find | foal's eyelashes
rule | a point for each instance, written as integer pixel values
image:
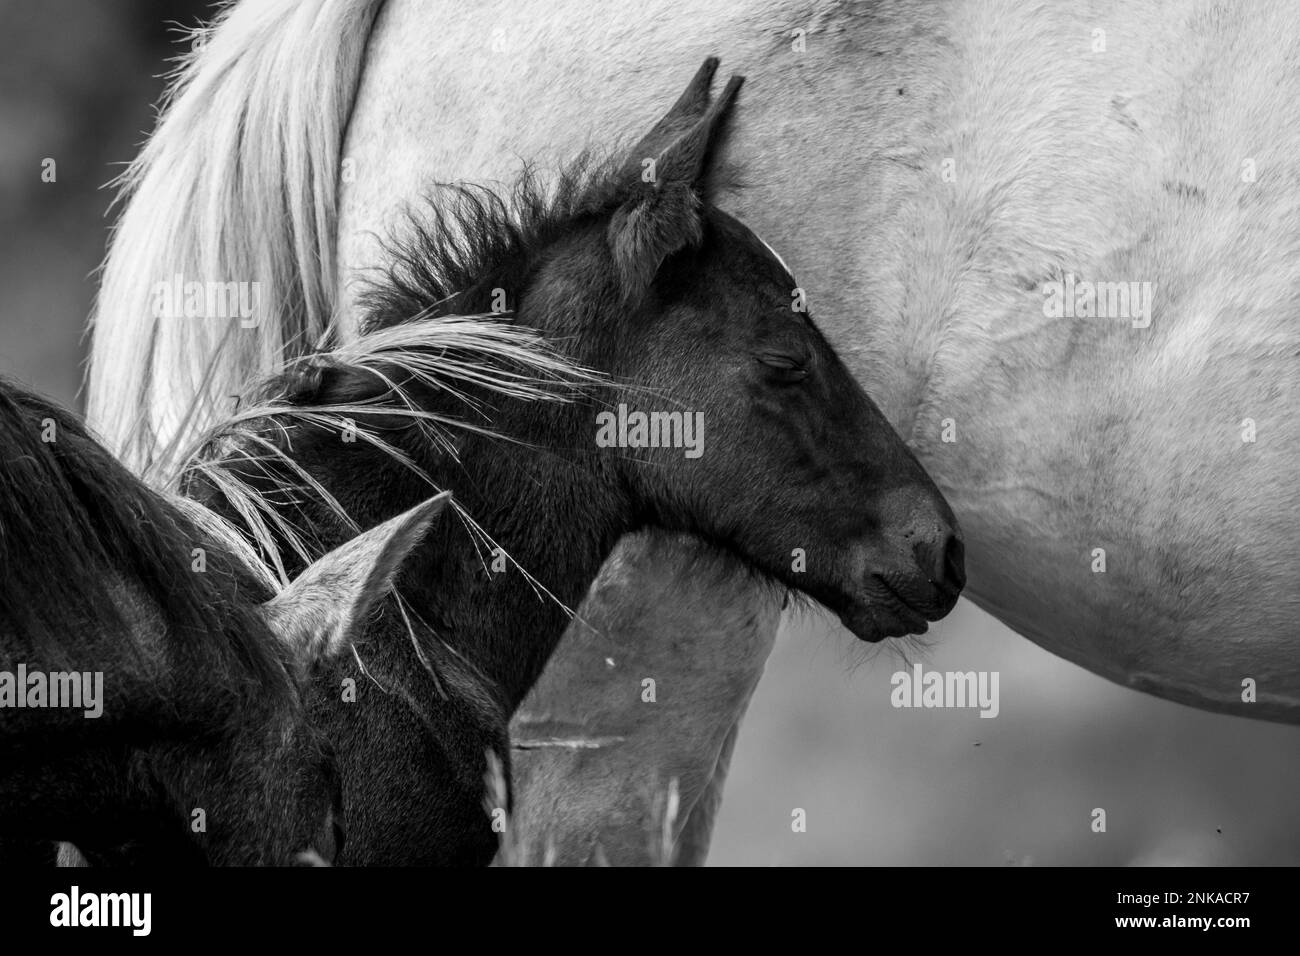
(784, 368)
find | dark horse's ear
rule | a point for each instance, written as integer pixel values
(661, 183)
(326, 606)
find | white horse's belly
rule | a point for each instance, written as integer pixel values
(1198, 592)
(924, 178)
(1173, 168)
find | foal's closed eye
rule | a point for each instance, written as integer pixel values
(783, 367)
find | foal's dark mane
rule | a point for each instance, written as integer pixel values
(449, 252)
(464, 240)
(71, 516)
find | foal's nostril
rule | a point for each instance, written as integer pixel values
(953, 570)
(943, 560)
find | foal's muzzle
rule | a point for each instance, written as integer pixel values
(912, 585)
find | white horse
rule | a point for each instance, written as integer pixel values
(1059, 245)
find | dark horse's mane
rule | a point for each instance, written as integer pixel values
(450, 251)
(75, 523)
(464, 240)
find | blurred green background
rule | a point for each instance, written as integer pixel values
(77, 84)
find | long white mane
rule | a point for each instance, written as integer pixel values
(238, 183)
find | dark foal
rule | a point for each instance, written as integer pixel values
(755, 437)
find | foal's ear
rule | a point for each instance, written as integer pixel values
(662, 182)
(320, 613)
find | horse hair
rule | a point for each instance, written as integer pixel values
(451, 250)
(71, 517)
(464, 240)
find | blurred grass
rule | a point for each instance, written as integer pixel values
(896, 786)
(78, 80)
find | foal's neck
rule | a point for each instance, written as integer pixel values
(554, 511)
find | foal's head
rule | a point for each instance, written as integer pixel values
(728, 414)
(272, 792)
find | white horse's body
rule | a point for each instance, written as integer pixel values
(927, 170)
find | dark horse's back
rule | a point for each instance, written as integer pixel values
(100, 614)
(30, 582)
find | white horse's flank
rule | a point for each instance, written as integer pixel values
(928, 171)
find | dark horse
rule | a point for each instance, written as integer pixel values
(627, 269)
(151, 681)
